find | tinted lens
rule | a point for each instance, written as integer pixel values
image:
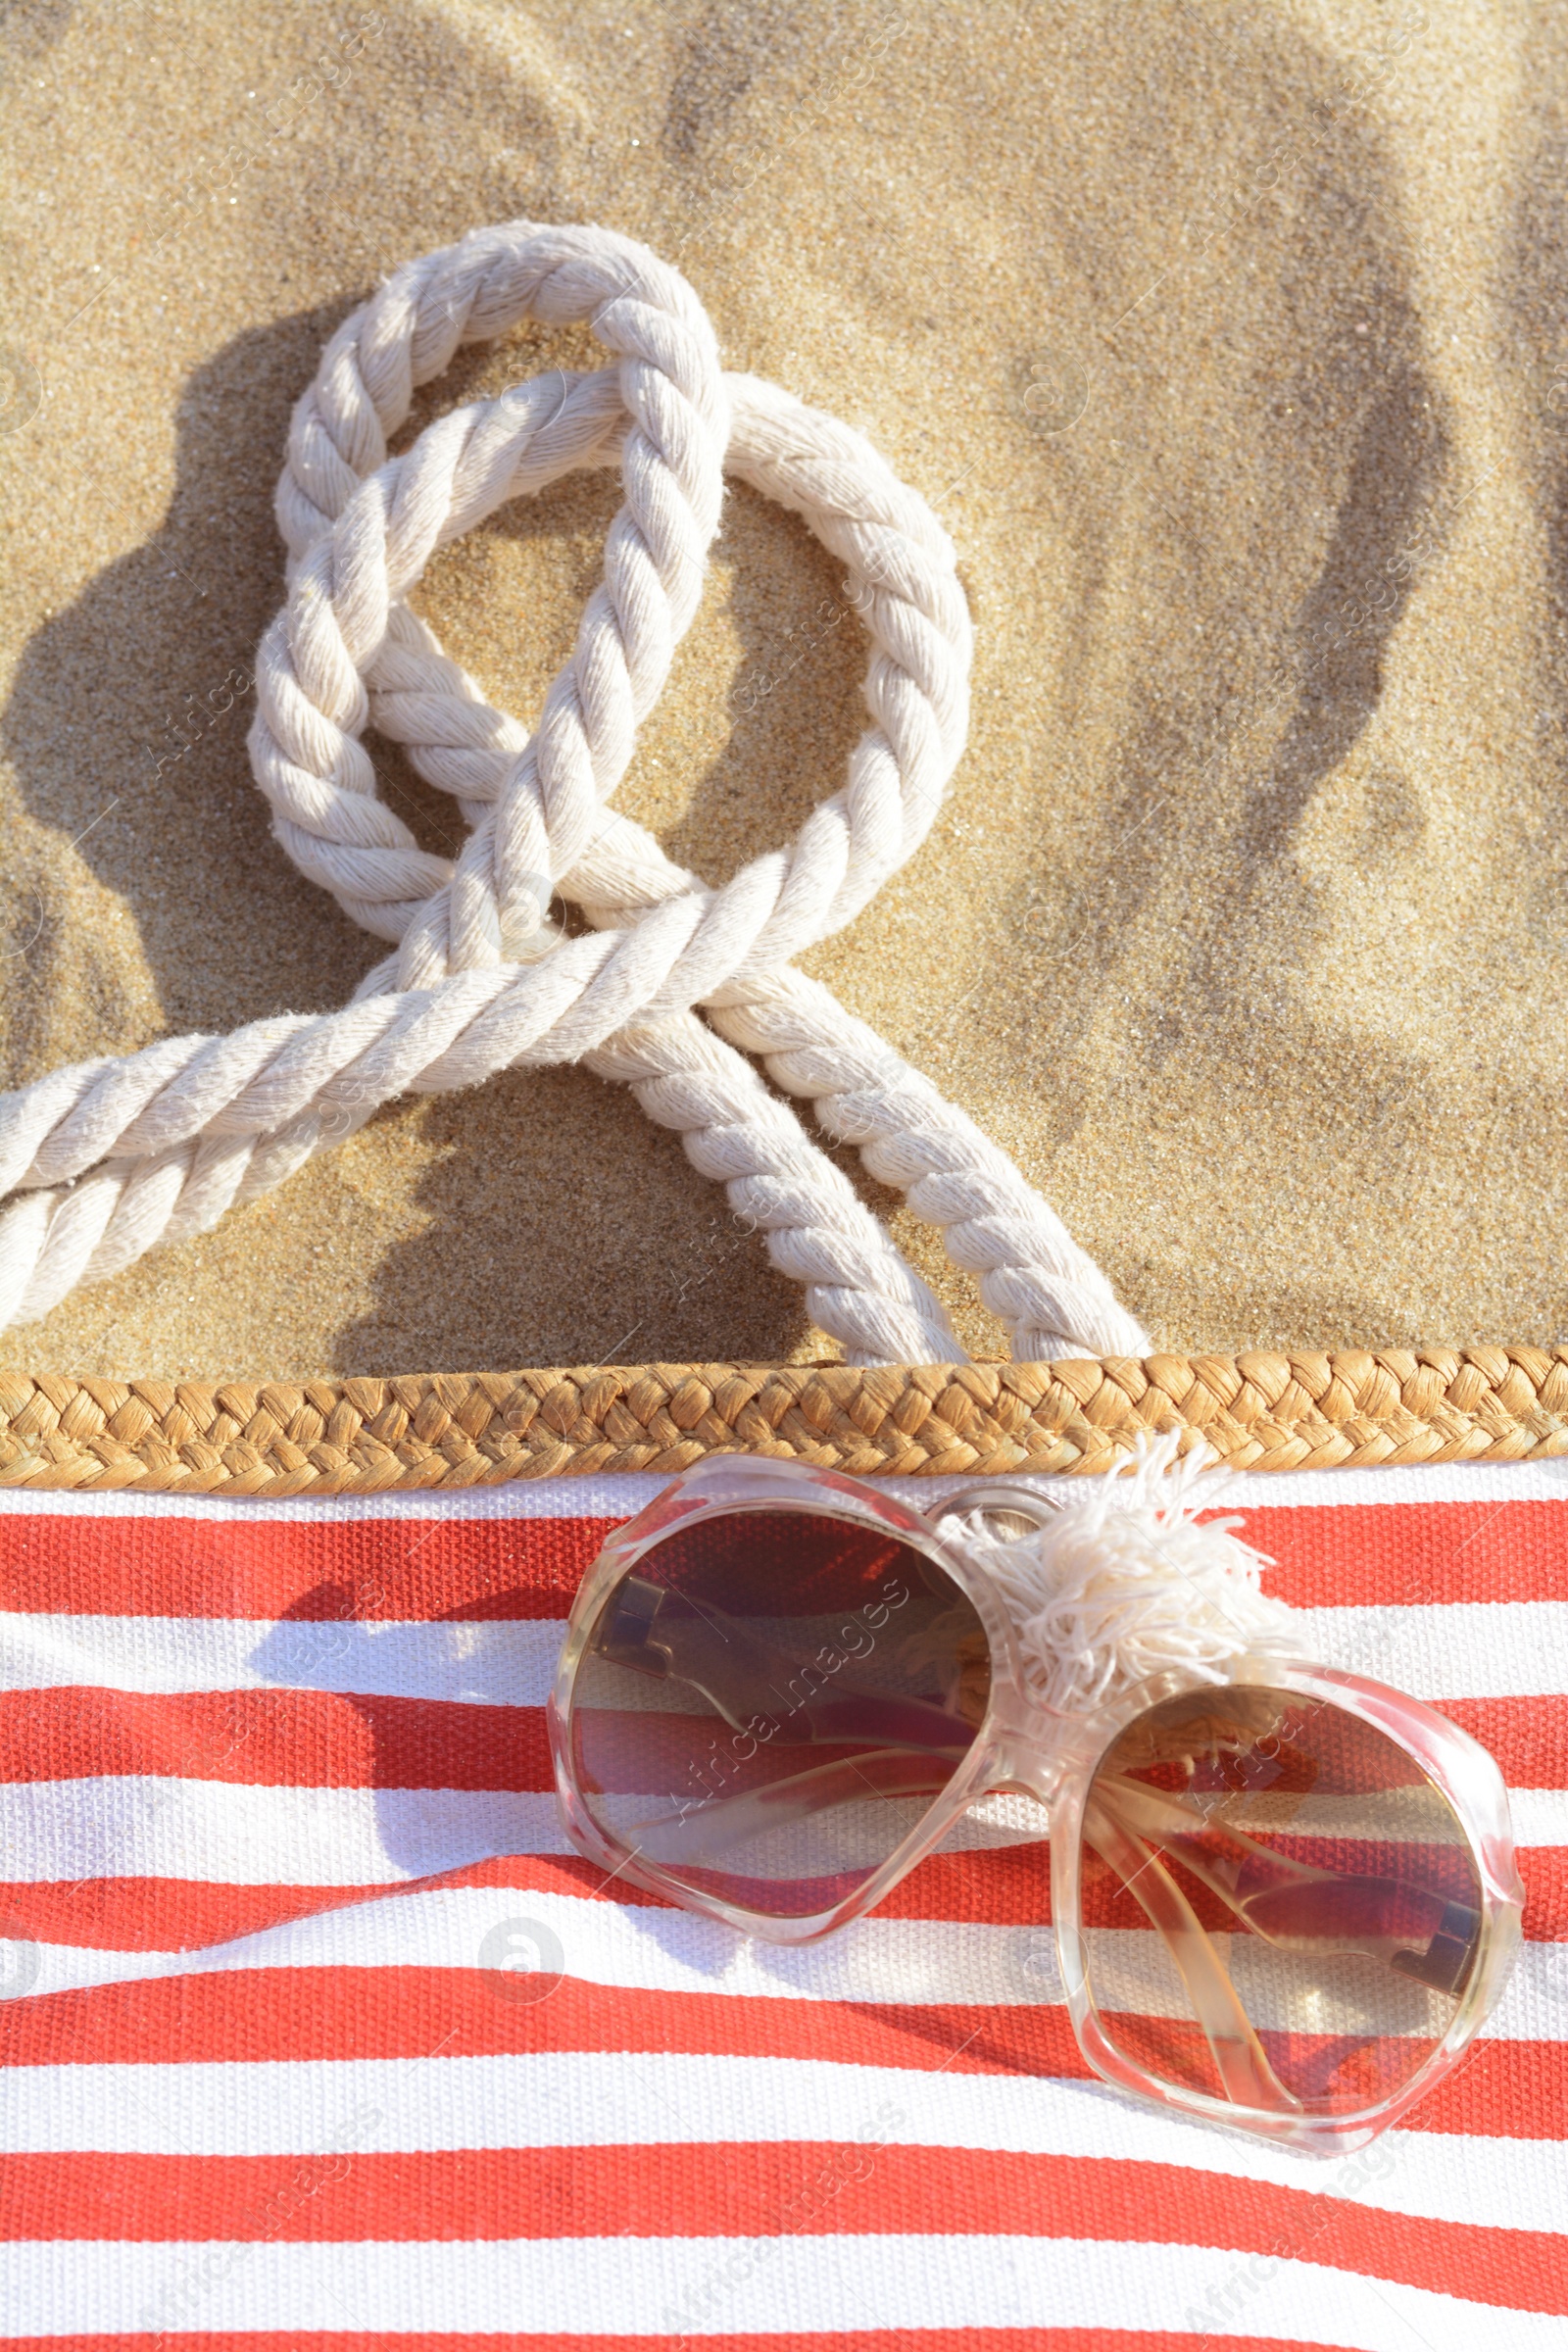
(1280, 1907)
(770, 1701)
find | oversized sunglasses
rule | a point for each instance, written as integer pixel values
(1283, 1897)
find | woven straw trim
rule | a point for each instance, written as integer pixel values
(356, 1437)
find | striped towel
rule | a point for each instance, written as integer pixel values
(319, 2036)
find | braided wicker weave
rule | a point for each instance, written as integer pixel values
(330, 1437)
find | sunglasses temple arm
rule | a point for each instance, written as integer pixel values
(1437, 1950)
(1154, 1813)
(1244, 2072)
(1171, 1820)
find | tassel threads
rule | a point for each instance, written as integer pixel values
(1124, 1580)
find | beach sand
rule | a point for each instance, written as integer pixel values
(1228, 343)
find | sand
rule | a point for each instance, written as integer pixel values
(1229, 345)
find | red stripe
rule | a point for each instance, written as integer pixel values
(166, 1915)
(1405, 1554)
(1527, 1737)
(375, 1570)
(767, 2189)
(1010, 1887)
(187, 1915)
(1509, 2090)
(271, 1738)
(1411, 1555)
(322, 1738)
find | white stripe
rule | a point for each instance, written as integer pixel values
(603, 2098)
(1544, 1481)
(1540, 1816)
(911, 1961)
(593, 1496)
(496, 1662)
(245, 1833)
(1454, 1649)
(789, 2286)
(224, 1834)
(620, 1495)
(228, 1834)
(860, 1835)
(1450, 1649)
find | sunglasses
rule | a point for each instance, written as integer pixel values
(1284, 1900)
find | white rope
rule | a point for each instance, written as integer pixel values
(110, 1158)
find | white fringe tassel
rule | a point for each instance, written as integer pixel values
(1123, 1582)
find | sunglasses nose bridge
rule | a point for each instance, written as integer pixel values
(1031, 1752)
(1007, 1512)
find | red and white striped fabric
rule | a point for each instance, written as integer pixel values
(273, 2079)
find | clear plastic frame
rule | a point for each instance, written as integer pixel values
(1283, 1903)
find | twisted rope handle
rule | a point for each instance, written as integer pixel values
(123, 1154)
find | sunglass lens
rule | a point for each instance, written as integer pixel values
(770, 1701)
(1280, 1906)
